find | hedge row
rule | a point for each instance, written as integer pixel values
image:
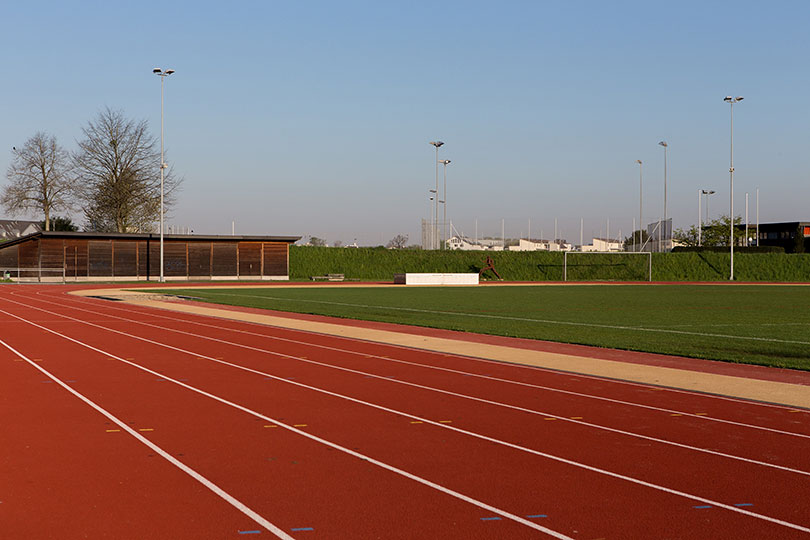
(381, 264)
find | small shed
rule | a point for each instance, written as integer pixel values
(84, 256)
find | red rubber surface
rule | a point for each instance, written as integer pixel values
(524, 441)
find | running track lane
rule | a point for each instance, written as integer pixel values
(721, 474)
(457, 456)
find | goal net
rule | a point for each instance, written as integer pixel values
(607, 266)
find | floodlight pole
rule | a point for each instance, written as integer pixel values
(660, 228)
(731, 101)
(639, 203)
(433, 233)
(444, 204)
(757, 217)
(700, 222)
(162, 73)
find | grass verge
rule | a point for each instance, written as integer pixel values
(765, 325)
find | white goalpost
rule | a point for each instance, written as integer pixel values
(607, 255)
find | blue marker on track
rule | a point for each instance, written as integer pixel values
(250, 532)
(743, 504)
(705, 506)
(490, 519)
(537, 516)
(302, 529)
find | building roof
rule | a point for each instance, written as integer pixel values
(148, 236)
(13, 228)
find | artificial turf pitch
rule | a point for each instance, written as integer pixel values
(755, 324)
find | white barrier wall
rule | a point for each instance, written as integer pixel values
(436, 279)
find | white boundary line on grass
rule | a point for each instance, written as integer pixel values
(406, 415)
(525, 319)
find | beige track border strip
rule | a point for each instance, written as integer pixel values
(793, 395)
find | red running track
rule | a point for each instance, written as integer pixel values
(125, 422)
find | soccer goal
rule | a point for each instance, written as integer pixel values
(607, 266)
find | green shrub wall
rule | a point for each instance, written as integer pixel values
(381, 264)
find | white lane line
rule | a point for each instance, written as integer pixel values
(486, 377)
(406, 415)
(523, 319)
(177, 318)
(293, 429)
(233, 501)
(455, 394)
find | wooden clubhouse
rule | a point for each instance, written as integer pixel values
(84, 256)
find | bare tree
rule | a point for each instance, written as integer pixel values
(41, 179)
(398, 242)
(118, 163)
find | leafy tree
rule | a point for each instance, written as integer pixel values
(118, 162)
(40, 177)
(61, 224)
(338, 243)
(398, 242)
(715, 233)
(317, 242)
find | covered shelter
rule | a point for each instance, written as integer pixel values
(88, 256)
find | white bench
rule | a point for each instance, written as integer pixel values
(436, 279)
(329, 277)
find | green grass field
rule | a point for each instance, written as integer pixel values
(756, 324)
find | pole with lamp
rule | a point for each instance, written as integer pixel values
(162, 73)
(705, 192)
(731, 101)
(434, 237)
(639, 204)
(444, 162)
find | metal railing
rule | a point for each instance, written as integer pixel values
(33, 275)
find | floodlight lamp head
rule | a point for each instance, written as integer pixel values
(156, 70)
(169, 71)
(663, 143)
(728, 98)
(638, 161)
(739, 98)
(437, 144)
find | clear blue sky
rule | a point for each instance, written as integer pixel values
(313, 118)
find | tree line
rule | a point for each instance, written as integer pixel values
(112, 178)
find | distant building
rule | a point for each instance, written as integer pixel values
(464, 244)
(779, 234)
(530, 245)
(16, 228)
(603, 245)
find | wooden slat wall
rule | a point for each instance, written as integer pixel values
(199, 259)
(125, 257)
(275, 258)
(224, 259)
(8, 257)
(250, 259)
(29, 258)
(75, 258)
(51, 255)
(129, 258)
(174, 258)
(100, 257)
